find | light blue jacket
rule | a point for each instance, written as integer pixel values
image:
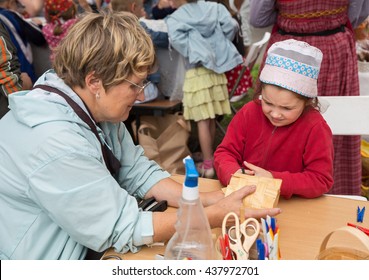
(56, 195)
(203, 32)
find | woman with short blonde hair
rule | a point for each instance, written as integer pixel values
(70, 173)
(123, 49)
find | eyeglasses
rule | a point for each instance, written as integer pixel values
(139, 88)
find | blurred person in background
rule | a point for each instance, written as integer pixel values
(60, 16)
(202, 32)
(11, 78)
(32, 8)
(22, 33)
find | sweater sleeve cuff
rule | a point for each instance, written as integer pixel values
(286, 190)
(144, 231)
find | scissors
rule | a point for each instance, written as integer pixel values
(239, 232)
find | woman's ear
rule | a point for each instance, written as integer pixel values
(93, 83)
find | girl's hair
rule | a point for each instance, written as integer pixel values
(111, 45)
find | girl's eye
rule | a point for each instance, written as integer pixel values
(267, 103)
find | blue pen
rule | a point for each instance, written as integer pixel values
(272, 224)
(264, 229)
(268, 220)
(261, 249)
(266, 225)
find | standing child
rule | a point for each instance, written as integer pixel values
(202, 32)
(281, 134)
(60, 16)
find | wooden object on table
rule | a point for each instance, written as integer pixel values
(343, 252)
(304, 224)
(266, 194)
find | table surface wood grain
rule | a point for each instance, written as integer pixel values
(303, 225)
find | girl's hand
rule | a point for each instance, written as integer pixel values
(256, 171)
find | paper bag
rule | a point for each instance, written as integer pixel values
(266, 194)
(164, 139)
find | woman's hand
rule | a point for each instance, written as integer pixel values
(256, 171)
(210, 198)
(233, 203)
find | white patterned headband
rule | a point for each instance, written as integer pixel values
(293, 65)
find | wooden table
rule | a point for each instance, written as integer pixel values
(303, 224)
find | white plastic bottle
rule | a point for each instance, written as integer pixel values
(192, 239)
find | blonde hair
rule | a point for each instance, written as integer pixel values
(112, 45)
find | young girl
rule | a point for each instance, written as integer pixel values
(202, 32)
(281, 134)
(60, 16)
(326, 25)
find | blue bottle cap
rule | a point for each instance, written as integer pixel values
(192, 176)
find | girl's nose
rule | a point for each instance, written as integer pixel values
(275, 114)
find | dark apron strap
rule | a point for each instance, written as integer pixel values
(111, 161)
(93, 255)
(321, 33)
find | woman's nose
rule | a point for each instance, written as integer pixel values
(141, 96)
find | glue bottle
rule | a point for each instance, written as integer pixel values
(192, 239)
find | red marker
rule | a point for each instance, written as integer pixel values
(365, 230)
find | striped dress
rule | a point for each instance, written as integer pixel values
(338, 75)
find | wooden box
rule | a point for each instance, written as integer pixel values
(266, 194)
